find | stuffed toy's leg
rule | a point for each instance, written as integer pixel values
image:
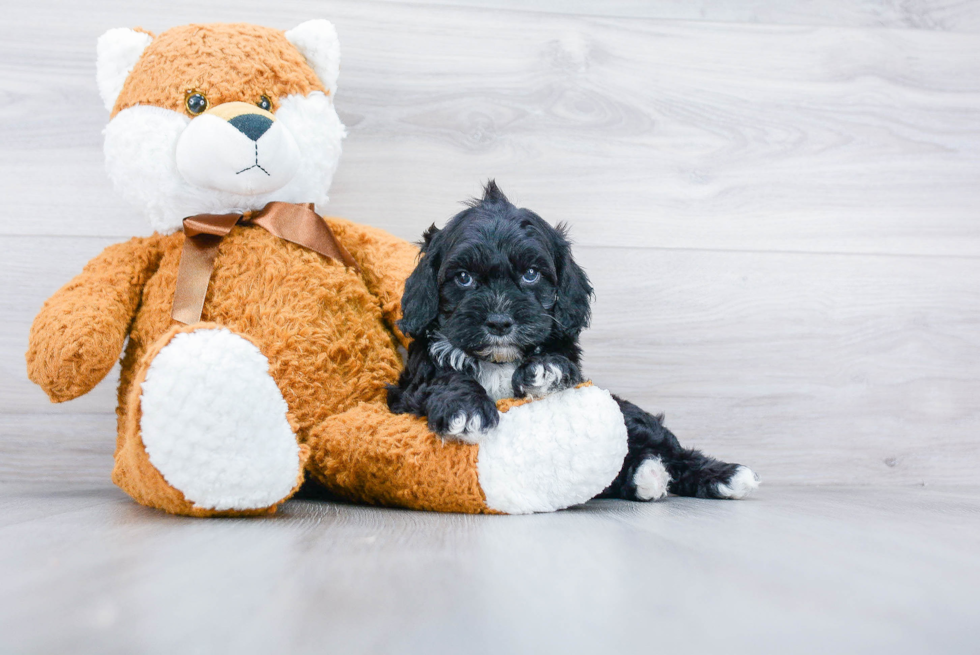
(206, 430)
(544, 455)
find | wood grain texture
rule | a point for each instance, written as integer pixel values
(671, 134)
(50, 449)
(802, 571)
(948, 15)
(809, 368)
(812, 369)
(780, 220)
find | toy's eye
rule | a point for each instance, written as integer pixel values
(265, 103)
(531, 276)
(195, 103)
(464, 279)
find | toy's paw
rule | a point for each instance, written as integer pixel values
(542, 375)
(651, 479)
(215, 424)
(553, 453)
(465, 417)
(740, 484)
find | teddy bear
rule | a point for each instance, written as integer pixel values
(258, 336)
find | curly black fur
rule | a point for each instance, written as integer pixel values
(495, 307)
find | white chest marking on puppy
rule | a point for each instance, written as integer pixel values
(496, 379)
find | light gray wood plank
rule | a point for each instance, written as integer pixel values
(811, 369)
(815, 369)
(795, 570)
(59, 448)
(639, 132)
(953, 15)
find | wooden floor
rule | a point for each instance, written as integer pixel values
(795, 570)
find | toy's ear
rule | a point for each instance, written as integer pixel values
(317, 41)
(117, 52)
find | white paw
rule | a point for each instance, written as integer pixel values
(214, 422)
(466, 427)
(546, 380)
(744, 482)
(651, 479)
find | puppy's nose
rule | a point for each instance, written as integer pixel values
(499, 324)
(251, 125)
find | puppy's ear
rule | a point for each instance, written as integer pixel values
(572, 303)
(420, 302)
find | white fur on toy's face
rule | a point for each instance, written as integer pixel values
(172, 166)
(237, 148)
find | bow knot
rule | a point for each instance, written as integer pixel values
(203, 233)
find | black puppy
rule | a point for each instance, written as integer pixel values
(495, 308)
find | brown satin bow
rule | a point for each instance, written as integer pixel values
(203, 233)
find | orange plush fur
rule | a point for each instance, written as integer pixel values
(257, 61)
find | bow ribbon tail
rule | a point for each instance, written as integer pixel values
(202, 236)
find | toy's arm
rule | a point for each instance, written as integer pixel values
(79, 333)
(544, 455)
(386, 262)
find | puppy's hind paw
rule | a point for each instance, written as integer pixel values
(743, 482)
(651, 479)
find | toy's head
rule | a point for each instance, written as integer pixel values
(220, 118)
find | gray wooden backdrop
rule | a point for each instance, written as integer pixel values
(777, 202)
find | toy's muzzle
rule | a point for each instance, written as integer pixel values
(237, 148)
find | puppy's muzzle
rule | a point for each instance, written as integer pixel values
(237, 148)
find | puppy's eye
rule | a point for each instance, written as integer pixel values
(531, 276)
(195, 103)
(264, 103)
(464, 279)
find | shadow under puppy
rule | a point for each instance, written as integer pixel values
(495, 307)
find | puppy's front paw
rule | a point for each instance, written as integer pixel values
(465, 420)
(543, 375)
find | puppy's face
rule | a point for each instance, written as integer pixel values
(496, 283)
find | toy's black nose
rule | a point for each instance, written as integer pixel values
(252, 125)
(499, 324)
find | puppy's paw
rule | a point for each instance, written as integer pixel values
(465, 420)
(543, 375)
(741, 483)
(651, 479)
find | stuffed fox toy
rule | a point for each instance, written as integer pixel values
(259, 336)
